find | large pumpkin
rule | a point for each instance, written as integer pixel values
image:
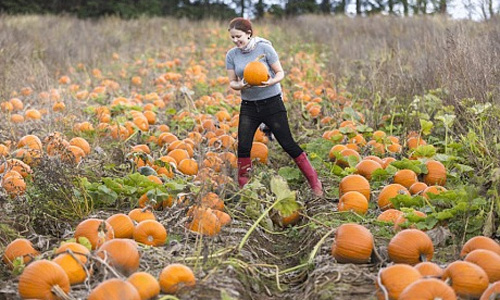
(43, 279)
(467, 279)
(353, 244)
(410, 246)
(394, 279)
(175, 276)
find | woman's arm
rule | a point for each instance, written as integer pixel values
(279, 74)
(234, 83)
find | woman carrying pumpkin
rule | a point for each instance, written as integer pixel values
(261, 101)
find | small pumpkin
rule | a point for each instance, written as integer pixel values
(429, 269)
(353, 244)
(467, 279)
(436, 173)
(150, 232)
(405, 177)
(366, 167)
(43, 279)
(122, 225)
(122, 254)
(141, 214)
(95, 230)
(175, 276)
(19, 248)
(204, 222)
(147, 286)
(418, 188)
(388, 192)
(480, 242)
(255, 72)
(392, 280)
(410, 246)
(433, 189)
(428, 289)
(390, 215)
(114, 289)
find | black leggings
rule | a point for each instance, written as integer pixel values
(272, 112)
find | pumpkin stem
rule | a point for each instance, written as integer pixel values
(260, 57)
(58, 291)
(423, 257)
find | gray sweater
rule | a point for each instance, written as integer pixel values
(237, 60)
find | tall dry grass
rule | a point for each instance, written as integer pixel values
(390, 56)
(395, 56)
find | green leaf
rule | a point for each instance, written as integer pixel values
(286, 198)
(414, 165)
(85, 242)
(426, 126)
(464, 168)
(407, 201)
(447, 119)
(290, 174)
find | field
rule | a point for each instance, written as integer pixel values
(105, 117)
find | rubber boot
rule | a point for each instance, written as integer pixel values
(312, 177)
(244, 166)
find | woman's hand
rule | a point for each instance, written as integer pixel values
(267, 83)
(244, 84)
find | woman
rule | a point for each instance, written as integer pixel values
(261, 104)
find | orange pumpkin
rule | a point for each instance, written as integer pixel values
(150, 232)
(436, 173)
(353, 244)
(188, 166)
(480, 242)
(428, 289)
(388, 192)
(410, 246)
(122, 254)
(147, 286)
(492, 292)
(433, 189)
(122, 225)
(366, 167)
(255, 72)
(175, 276)
(394, 279)
(141, 214)
(488, 260)
(19, 248)
(259, 152)
(467, 279)
(418, 188)
(41, 279)
(95, 230)
(353, 201)
(390, 215)
(204, 222)
(114, 289)
(73, 266)
(429, 269)
(405, 177)
(355, 183)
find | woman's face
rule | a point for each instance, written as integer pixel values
(239, 38)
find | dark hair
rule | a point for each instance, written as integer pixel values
(241, 24)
